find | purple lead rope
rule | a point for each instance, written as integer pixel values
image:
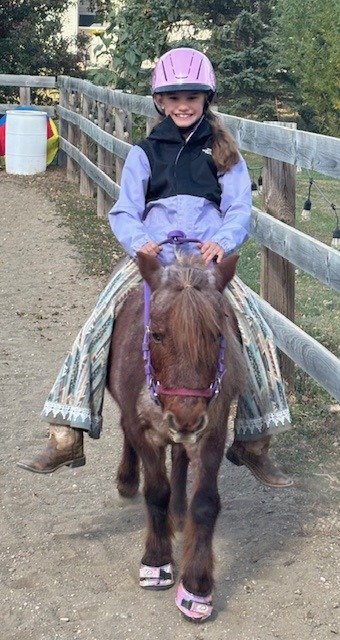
(177, 237)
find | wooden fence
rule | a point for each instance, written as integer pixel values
(96, 126)
(24, 84)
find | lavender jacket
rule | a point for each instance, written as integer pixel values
(170, 184)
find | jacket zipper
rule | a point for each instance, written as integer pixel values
(183, 146)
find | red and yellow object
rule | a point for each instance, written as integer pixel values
(51, 132)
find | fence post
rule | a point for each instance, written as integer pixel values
(63, 129)
(86, 186)
(123, 131)
(277, 274)
(150, 123)
(128, 127)
(25, 96)
(109, 157)
(101, 193)
(72, 137)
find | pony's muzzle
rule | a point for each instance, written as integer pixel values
(185, 436)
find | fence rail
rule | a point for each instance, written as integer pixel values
(306, 352)
(95, 136)
(25, 83)
(308, 150)
(313, 257)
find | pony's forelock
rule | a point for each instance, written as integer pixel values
(192, 306)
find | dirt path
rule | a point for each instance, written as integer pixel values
(70, 549)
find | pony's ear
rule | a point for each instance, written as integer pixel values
(150, 269)
(225, 271)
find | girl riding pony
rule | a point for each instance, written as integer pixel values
(188, 175)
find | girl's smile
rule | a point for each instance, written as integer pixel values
(184, 107)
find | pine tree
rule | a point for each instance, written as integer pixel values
(242, 53)
(234, 34)
(309, 48)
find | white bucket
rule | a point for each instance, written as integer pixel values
(26, 141)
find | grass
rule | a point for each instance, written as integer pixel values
(92, 236)
(311, 446)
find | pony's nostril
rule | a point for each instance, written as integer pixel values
(202, 423)
(172, 421)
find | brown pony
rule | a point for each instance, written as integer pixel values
(189, 320)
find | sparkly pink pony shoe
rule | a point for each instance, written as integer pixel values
(195, 608)
(156, 577)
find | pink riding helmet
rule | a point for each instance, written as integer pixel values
(184, 69)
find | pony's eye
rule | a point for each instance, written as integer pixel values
(156, 336)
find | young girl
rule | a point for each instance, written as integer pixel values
(187, 175)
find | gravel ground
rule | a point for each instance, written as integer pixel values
(70, 547)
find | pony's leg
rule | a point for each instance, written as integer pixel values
(128, 471)
(156, 569)
(194, 596)
(197, 567)
(178, 482)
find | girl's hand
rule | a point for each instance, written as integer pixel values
(151, 248)
(209, 250)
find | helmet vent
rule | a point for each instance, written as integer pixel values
(164, 71)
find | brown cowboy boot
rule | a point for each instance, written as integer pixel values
(254, 455)
(64, 447)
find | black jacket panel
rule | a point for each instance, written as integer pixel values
(179, 166)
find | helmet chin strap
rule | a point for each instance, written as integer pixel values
(158, 108)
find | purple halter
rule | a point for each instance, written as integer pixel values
(156, 388)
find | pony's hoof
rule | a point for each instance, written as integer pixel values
(156, 577)
(194, 608)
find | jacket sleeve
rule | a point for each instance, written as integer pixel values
(236, 204)
(127, 214)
